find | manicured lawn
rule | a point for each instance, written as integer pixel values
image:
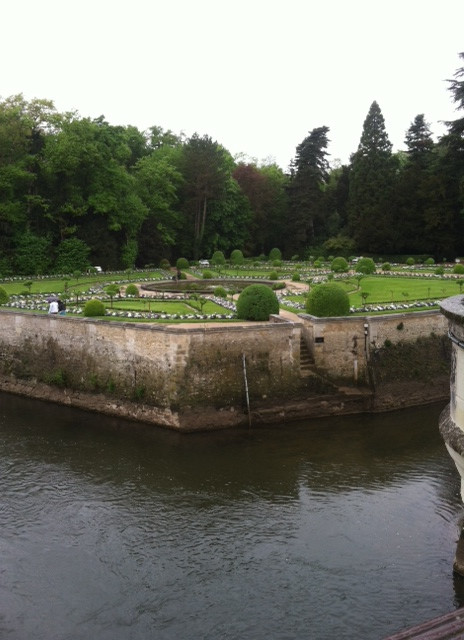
(382, 289)
(165, 306)
(57, 285)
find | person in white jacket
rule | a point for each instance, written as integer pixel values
(53, 308)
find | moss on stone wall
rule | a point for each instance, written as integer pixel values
(422, 360)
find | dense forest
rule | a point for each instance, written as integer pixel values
(76, 191)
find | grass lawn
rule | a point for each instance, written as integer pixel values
(385, 290)
(382, 289)
(165, 306)
(57, 285)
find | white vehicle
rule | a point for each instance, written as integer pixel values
(203, 263)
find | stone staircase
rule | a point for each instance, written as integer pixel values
(306, 360)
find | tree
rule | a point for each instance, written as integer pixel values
(72, 255)
(23, 129)
(206, 167)
(112, 290)
(158, 182)
(264, 189)
(413, 188)
(92, 193)
(371, 202)
(456, 88)
(32, 254)
(309, 174)
(228, 221)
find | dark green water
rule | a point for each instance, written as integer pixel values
(335, 528)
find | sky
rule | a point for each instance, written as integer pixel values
(255, 75)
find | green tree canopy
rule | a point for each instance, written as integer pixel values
(371, 203)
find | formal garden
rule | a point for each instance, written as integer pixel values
(196, 293)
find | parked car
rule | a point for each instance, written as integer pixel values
(203, 263)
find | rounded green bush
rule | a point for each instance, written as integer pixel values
(366, 266)
(165, 264)
(94, 308)
(410, 262)
(220, 292)
(339, 265)
(439, 271)
(273, 275)
(132, 290)
(275, 254)
(218, 259)
(207, 275)
(386, 266)
(429, 262)
(182, 263)
(236, 257)
(4, 297)
(296, 277)
(277, 263)
(458, 268)
(328, 300)
(257, 302)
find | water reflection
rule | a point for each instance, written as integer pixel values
(116, 530)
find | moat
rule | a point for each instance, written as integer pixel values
(330, 528)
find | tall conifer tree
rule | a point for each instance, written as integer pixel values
(309, 174)
(371, 196)
(414, 185)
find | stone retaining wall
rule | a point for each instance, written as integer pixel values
(190, 377)
(341, 346)
(178, 370)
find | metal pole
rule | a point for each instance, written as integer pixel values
(246, 389)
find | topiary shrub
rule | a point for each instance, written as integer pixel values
(386, 266)
(328, 300)
(218, 259)
(257, 302)
(94, 308)
(236, 257)
(273, 275)
(182, 263)
(275, 254)
(339, 265)
(4, 297)
(296, 277)
(429, 262)
(366, 266)
(207, 275)
(317, 264)
(458, 268)
(410, 262)
(439, 271)
(220, 292)
(132, 290)
(165, 264)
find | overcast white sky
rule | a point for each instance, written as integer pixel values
(255, 75)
